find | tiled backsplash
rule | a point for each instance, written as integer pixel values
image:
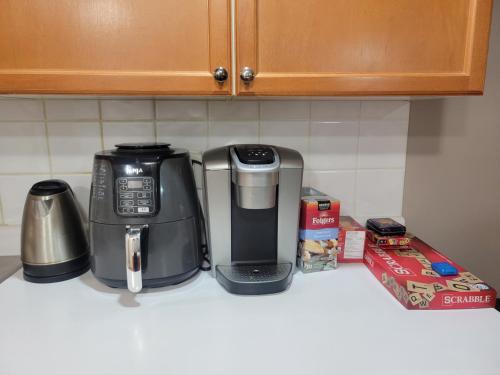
(353, 150)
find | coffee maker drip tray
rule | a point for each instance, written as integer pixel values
(255, 278)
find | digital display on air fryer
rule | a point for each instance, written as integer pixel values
(135, 184)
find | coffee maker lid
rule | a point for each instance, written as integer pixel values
(48, 187)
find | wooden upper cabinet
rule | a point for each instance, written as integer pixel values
(114, 46)
(313, 47)
(362, 47)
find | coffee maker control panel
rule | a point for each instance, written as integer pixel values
(255, 154)
(135, 196)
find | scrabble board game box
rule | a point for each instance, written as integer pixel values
(389, 241)
(407, 274)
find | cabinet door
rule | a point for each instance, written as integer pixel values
(114, 46)
(362, 47)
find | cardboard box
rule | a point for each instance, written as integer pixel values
(318, 232)
(318, 210)
(406, 273)
(352, 236)
(389, 241)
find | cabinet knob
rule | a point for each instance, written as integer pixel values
(220, 74)
(247, 74)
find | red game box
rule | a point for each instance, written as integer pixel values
(352, 236)
(318, 210)
(407, 274)
(389, 241)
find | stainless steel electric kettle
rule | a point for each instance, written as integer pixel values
(54, 243)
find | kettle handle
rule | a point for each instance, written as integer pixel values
(133, 257)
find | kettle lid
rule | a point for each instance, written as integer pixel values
(49, 187)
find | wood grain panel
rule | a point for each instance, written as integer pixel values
(363, 47)
(114, 46)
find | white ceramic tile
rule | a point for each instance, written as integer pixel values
(385, 110)
(382, 144)
(233, 110)
(72, 109)
(23, 148)
(21, 109)
(182, 110)
(379, 192)
(399, 219)
(13, 192)
(192, 135)
(231, 132)
(196, 155)
(11, 240)
(292, 134)
(334, 150)
(333, 145)
(335, 111)
(284, 110)
(72, 145)
(121, 132)
(80, 184)
(127, 110)
(305, 178)
(338, 184)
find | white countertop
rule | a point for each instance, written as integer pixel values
(334, 322)
(8, 265)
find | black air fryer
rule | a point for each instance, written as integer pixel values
(144, 216)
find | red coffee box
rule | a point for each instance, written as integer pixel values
(408, 276)
(388, 241)
(318, 232)
(352, 237)
(318, 210)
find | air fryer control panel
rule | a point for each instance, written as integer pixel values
(135, 189)
(135, 195)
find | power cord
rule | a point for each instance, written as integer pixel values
(204, 247)
(206, 259)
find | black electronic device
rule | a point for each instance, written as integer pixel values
(386, 227)
(252, 196)
(145, 227)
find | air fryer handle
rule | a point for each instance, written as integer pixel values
(133, 257)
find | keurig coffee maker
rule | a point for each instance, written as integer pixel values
(144, 216)
(252, 196)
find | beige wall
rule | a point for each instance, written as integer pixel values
(452, 183)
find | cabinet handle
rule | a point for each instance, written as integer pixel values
(220, 74)
(247, 74)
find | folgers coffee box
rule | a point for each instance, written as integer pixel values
(407, 274)
(389, 241)
(318, 231)
(352, 236)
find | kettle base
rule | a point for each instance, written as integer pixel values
(151, 283)
(52, 273)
